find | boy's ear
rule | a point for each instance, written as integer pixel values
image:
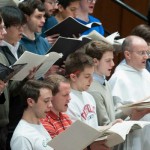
(30, 102)
(95, 60)
(72, 77)
(60, 8)
(27, 17)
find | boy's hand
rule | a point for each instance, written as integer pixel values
(99, 145)
(137, 114)
(32, 73)
(2, 86)
(52, 39)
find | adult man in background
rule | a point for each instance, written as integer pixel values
(131, 83)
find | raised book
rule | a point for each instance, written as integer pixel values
(111, 39)
(70, 27)
(43, 62)
(94, 35)
(79, 135)
(140, 105)
(6, 73)
(67, 46)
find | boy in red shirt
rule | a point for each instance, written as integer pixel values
(56, 120)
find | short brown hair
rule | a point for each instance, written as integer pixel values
(96, 49)
(76, 62)
(54, 81)
(31, 89)
(12, 16)
(143, 31)
(29, 6)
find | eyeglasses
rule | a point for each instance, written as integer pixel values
(91, 1)
(18, 26)
(142, 53)
(53, 3)
(2, 28)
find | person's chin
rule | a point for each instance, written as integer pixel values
(19, 37)
(39, 29)
(86, 88)
(108, 74)
(44, 116)
(65, 109)
(91, 10)
(50, 13)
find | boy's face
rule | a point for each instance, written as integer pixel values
(61, 99)
(105, 65)
(50, 7)
(43, 105)
(87, 6)
(14, 33)
(36, 21)
(83, 81)
(71, 10)
(2, 31)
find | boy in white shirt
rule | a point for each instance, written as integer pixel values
(30, 133)
(79, 69)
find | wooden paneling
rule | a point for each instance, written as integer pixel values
(109, 13)
(129, 20)
(115, 18)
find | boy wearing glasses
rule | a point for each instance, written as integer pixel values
(4, 96)
(84, 15)
(66, 8)
(131, 83)
(11, 50)
(51, 7)
(2, 33)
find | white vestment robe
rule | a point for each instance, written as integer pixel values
(130, 85)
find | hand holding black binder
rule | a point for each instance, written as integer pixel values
(6, 73)
(70, 27)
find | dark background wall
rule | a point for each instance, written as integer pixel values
(115, 18)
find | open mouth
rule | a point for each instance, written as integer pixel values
(109, 70)
(144, 62)
(66, 105)
(91, 7)
(41, 26)
(20, 34)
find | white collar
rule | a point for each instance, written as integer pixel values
(12, 48)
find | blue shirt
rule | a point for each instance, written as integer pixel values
(99, 29)
(38, 46)
(49, 23)
(100, 79)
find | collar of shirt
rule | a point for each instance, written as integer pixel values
(54, 116)
(100, 79)
(12, 48)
